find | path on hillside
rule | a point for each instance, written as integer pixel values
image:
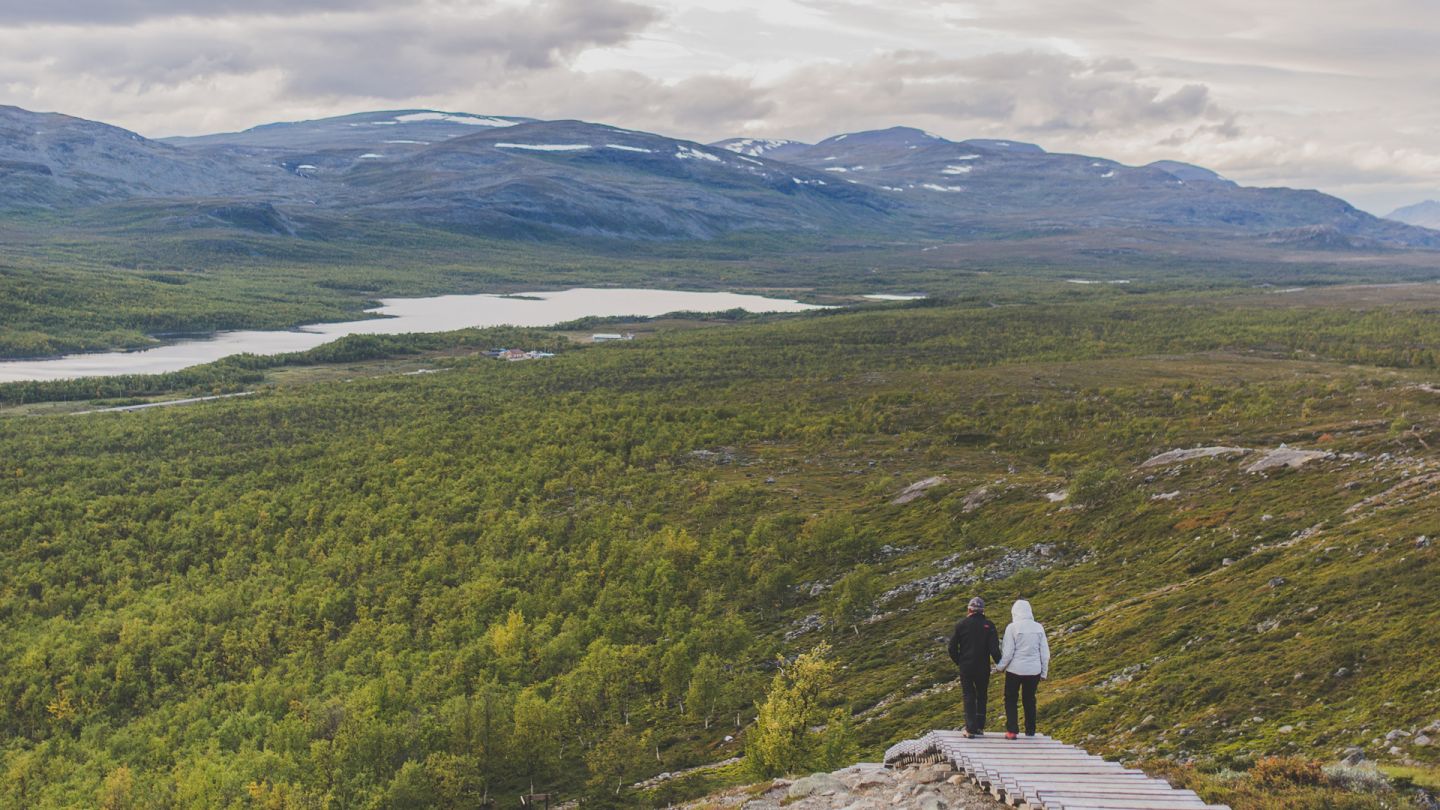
(1043, 773)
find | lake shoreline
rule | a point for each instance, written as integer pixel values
(395, 316)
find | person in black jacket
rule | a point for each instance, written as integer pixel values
(973, 646)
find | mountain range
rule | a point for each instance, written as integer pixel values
(520, 177)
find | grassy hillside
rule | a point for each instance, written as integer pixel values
(409, 591)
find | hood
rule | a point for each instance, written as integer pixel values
(1021, 611)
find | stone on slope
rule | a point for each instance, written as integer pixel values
(917, 489)
(1287, 457)
(1177, 456)
(822, 784)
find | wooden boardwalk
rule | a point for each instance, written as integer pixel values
(1042, 773)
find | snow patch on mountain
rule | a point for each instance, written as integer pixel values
(546, 147)
(451, 118)
(691, 153)
(755, 147)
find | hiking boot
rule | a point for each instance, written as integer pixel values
(1010, 735)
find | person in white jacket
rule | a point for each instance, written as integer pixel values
(1025, 660)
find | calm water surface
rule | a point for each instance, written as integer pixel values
(440, 314)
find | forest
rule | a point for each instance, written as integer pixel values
(574, 575)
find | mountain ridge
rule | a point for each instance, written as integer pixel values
(568, 179)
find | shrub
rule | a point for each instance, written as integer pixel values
(1283, 772)
(1362, 777)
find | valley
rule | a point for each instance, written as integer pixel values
(372, 564)
(413, 590)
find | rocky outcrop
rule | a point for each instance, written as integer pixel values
(917, 489)
(1176, 456)
(1287, 457)
(866, 786)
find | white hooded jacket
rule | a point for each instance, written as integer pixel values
(1025, 650)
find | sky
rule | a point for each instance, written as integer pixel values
(1339, 95)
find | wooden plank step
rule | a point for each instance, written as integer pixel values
(1112, 802)
(1043, 773)
(1138, 804)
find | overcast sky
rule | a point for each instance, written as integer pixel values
(1340, 95)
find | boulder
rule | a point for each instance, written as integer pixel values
(867, 777)
(917, 489)
(929, 801)
(865, 804)
(819, 784)
(931, 774)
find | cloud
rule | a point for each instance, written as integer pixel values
(120, 12)
(394, 52)
(1022, 93)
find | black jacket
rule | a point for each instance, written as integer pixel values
(975, 643)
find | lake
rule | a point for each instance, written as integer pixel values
(402, 315)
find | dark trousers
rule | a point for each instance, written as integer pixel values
(1015, 685)
(976, 686)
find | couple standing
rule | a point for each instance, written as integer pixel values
(1024, 658)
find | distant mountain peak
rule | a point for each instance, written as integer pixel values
(1188, 171)
(1424, 214)
(893, 136)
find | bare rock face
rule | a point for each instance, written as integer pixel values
(1177, 456)
(1287, 457)
(918, 489)
(976, 499)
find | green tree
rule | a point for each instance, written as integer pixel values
(118, 792)
(535, 742)
(617, 760)
(1095, 485)
(675, 666)
(782, 741)
(707, 685)
(853, 597)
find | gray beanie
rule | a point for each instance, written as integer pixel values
(977, 604)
